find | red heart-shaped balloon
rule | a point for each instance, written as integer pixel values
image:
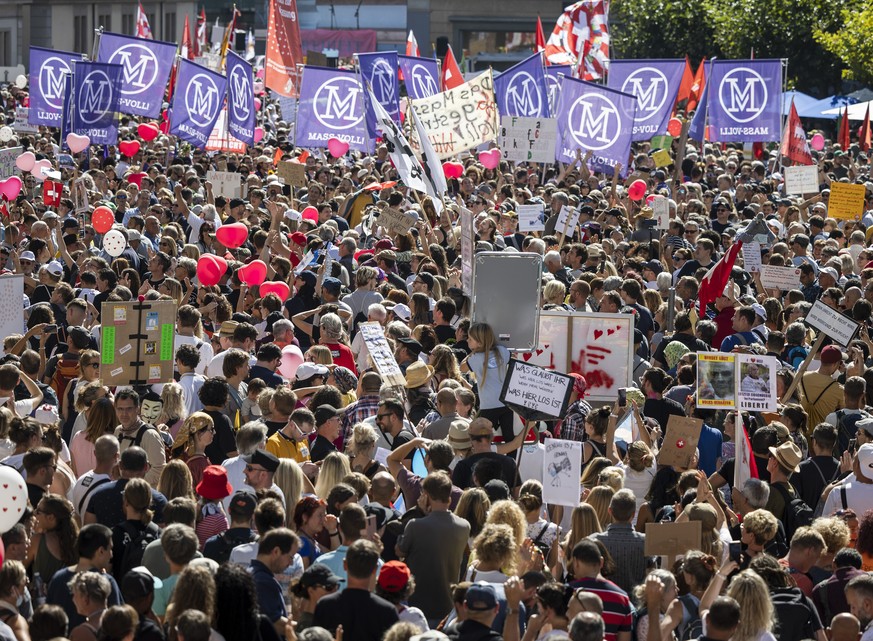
(233, 235)
(148, 131)
(129, 148)
(253, 274)
(278, 287)
(102, 219)
(310, 213)
(136, 178)
(210, 269)
(453, 169)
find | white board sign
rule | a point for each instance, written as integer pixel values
(783, 278)
(832, 323)
(468, 242)
(21, 125)
(541, 392)
(802, 179)
(7, 162)
(756, 382)
(568, 218)
(531, 218)
(381, 355)
(661, 212)
(751, 257)
(225, 183)
(528, 139)
(562, 468)
(11, 314)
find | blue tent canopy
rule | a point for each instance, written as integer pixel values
(817, 108)
(801, 101)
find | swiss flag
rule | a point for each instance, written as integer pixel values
(412, 45)
(716, 279)
(51, 193)
(540, 39)
(452, 76)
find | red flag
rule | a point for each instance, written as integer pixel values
(51, 193)
(715, 280)
(200, 36)
(143, 30)
(581, 38)
(864, 135)
(540, 38)
(284, 49)
(685, 87)
(452, 76)
(697, 86)
(843, 133)
(795, 146)
(745, 467)
(187, 51)
(412, 45)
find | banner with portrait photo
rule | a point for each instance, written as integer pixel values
(716, 380)
(756, 382)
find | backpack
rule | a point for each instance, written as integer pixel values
(134, 545)
(65, 371)
(543, 547)
(793, 614)
(847, 428)
(136, 441)
(220, 551)
(797, 513)
(694, 627)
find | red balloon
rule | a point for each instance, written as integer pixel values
(674, 127)
(637, 190)
(210, 269)
(233, 235)
(129, 148)
(148, 131)
(453, 169)
(102, 219)
(254, 273)
(278, 287)
(310, 213)
(136, 178)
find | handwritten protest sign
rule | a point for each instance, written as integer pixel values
(568, 218)
(528, 139)
(832, 323)
(802, 179)
(381, 355)
(467, 250)
(531, 218)
(715, 380)
(756, 382)
(225, 183)
(782, 278)
(461, 118)
(662, 158)
(534, 392)
(661, 212)
(21, 125)
(7, 161)
(562, 467)
(751, 257)
(846, 201)
(292, 173)
(681, 439)
(11, 291)
(395, 221)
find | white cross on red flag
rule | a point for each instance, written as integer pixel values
(143, 30)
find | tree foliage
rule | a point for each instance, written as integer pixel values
(661, 29)
(852, 43)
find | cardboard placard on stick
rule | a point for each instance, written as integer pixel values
(137, 342)
(380, 354)
(395, 221)
(672, 539)
(846, 201)
(832, 323)
(292, 173)
(536, 393)
(680, 441)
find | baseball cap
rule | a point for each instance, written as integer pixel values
(308, 370)
(236, 202)
(318, 574)
(830, 355)
(480, 427)
(298, 238)
(133, 235)
(293, 214)
(394, 576)
(323, 413)
(243, 504)
(865, 460)
(55, 269)
(830, 271)
(263, 458)
(402, 312)
(383, 244)
(79, 336)
(759, 310)
(27, 255)
(482, 596)
(138, 583)
(333, 285)
(409, 343)
(865, 424)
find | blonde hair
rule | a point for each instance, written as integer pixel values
(612, 477)
(138, 495)
(761, 524)
(599, 499)
(639, 456)
(363, 441)
(334, 468)
(834, 531)
(483, 334)
(473, 507)
(176, 481)
(496, 545)
(583, 522)
(592, 471)
(320, 355)
(752, 594)
(173, 409)
(289, 478)
(509, 513)
(554, 292)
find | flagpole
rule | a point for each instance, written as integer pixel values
(98, 33)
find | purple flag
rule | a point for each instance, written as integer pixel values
(96, 91)
(47, 70)
(593, 117)
(420, 75)
(197, 102)
(331, 106)
(240, 99)
(147, 65)
(745, 100)
(379, 73)
(66, 112)
(553, 83)
(521, 90)
(697, 128)
(655, 83)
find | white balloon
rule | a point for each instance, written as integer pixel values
(13, 497)
(6, 134)
(21, 81)
(114, 242)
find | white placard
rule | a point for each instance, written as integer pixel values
(531, 218)
(381, 355)
(783, 278)
(225, 183)
(395, 221)
(537, 389)
(21, 125)
(567, 220)
(7, 162)
(751, 257)
(11, 313)
(802, 179)
(468, 247)
(839, 327)
(562, 468)
(756, 382)
(661, 212)
(528, 139)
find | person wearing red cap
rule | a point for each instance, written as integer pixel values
(820, 393)
(395, 584)
(572, 428)
(212, 489)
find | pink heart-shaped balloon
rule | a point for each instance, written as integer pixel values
(337, 147)
(10, 188)
(148, 131)
(259, 136)
(232, 236)
(278, 287)
(257, 104)
(490, 159)
(253, 274)
(210, 269)
(453, 169)
(637, 189)
(136, 178)
(41, 168)
(25, 161)
(129, 148)
(77, 143)
(310, 213)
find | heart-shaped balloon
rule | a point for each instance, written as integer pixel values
(25, 161)
(252, 274)
(77, 143)
(278, 287)
(13, 498)
(148, 131)
(129, 148)
(257, 104)
(259, 136)
(114, 242)
(233, 235)
(490, 159)
(310, 213)
(817, 142)
(102, 219)
(292, 358)
(337, 147)
(41, 168)
(210, 269)
(10, 188)
(637, 189)
(136, 178)
(453, 169)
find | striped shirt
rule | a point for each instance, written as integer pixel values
(617, 610)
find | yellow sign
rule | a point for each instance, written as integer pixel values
(662, 158)
(846, 201)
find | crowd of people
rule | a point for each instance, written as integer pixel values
(255, 496)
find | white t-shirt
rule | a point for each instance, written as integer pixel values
(859, 497)
(204, 346)
(236, 467)
(83, 486)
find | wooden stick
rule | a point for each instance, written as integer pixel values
(802, 369)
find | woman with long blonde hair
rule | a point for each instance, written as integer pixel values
(173, 412)
(101, 420)
(759, 617)
(599, 499)
(488, 361)
(196, 434)
(290, 479)
(445, 365)
(334, 469)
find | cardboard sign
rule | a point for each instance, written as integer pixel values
(292, 173)
(7, 162)
(395, 221)
(662, 158)
(715, 380)
(528, 139)
(381, 355)
(756, 382)
(661, 212)
(568, 218)
(468, 248)
(846, 201)
(680, 440)
(531, 218)
(782, 278)
(534, 392)
(672, 539)
(562, 468)
(832, 323)
(802, 179)
(225, 183)
(12, 293)
(137, 342)
(751, 257)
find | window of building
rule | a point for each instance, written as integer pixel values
(105, 20)
(128, 24)
(81, 34)
(170, 27)
(5, 48)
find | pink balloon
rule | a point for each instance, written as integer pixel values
(77, 143)
(817, 142)
(278, 287)
(25, 161)
(337, 147)
(258, 104)
(148, 131)
(453, 169)
(260, 74)
(259, 135)
(292, 358)
(10, 188)
(674, 127)
(232, 236)
(254, 273)
(310, 213)
(637, 190)
(40, 168)
(210, 269)
(490, 159)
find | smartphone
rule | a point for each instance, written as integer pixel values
(853, 445)
(735, 551)
(51, 329)
(622, 397)
(371, 526)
